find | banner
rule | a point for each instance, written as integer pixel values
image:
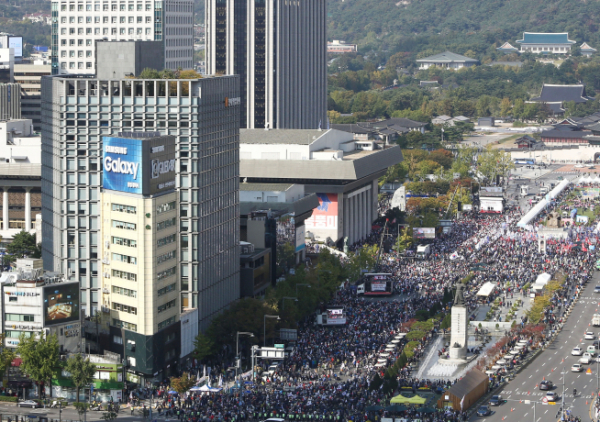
(423, 232)
(325, 216)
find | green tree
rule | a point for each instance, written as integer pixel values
(518, 108)
(505, 107)
(203, 347)
(363, 259)
(40, 357)
(81, 371)
(24, 244)
(404, 241)
(109, 416)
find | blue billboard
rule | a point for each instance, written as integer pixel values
(122, 160)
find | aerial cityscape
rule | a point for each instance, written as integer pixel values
(339, 211)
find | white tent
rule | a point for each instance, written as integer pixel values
(543, 279)
(486, 289)
(527, 218)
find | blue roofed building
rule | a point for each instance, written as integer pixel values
(546, 43)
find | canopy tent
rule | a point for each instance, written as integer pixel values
(543, 278)
(205, 389)
(400, 399)
(486, 289)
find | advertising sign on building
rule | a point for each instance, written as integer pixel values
(325, 216)
(423, 232)
(138, 165)
(16, 43)
(61, 303)
(300, 238)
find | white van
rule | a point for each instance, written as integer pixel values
(544, 190)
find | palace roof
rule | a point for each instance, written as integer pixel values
(546, 38)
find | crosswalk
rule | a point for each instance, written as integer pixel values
(537, 393)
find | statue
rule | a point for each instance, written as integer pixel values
(346, 245)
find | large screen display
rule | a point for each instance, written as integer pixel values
(423, 232)
(61, 303)
(122, 164)
(16, 43)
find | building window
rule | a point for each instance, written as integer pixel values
(124, 275)
(166, 273)
(124, 308)
(165, 257)
(167, 206)
(166, 240)
(123, 225)
(124, 292)
(167, 289)
(124, 258)
(117, 340)
(166, 323)
(122, 324)
(124, 208)
(168, 305)
(124, 242)
(19, 317)
(165, 224)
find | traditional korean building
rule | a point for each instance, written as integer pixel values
(507, 48)
(586, 50)
(554, 96)
(546, 43)
(447, 60)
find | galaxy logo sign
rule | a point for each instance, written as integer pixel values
(325, 216)
(122, 164)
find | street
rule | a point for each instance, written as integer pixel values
(549, 365)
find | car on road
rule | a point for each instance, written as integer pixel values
(484, 411)
(551, 396)
(597, 288)
(546, 385)
(586, 358)
(591, 350)
(29, 403)
(589, 336)
(496, 400)
(579, 166)
(577, 351)
(577, 367)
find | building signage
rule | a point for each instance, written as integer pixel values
(235, 101)
(325, 216)
(144, 165)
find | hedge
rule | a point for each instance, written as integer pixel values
(9, 399)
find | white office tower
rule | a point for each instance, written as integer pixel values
(278, 47)
(77, 24)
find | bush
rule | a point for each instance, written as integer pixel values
(447, 322)
(422, 315)
(9, 399)
(415, 335)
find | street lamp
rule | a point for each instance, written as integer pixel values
(295, 299)
(265, 327)
(237, 341)
(301, 284)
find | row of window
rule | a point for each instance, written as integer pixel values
(170, 304)
(167, 289)
(166, 322)
(105, 19)
(123, 208)
(124, 242)
(165, 257)
(124, 292)
(105, 31)
(167, 206)
(106, 7)
(124, 308)
(123, 324)
(123, 225)
(124, 275)
(124, 258)
(166, 273)
(18, 317)
(166, 240)
(166, 224)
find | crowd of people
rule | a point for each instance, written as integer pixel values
(328, 375)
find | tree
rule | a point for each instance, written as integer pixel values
(6, 357)
(109, 416)
(405, 240)
(40, 357)
(81, 371)
(505, 107)
(24, 244)
(203, 347)
(183, 383)
(363, 259)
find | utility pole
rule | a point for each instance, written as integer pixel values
(562, 413)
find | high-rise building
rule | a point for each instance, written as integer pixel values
(29, 76)
(77, 25)
(10, 101)
(278, 47)
(139, 250)
(203, 117)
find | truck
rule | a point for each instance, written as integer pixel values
(423, 251)
(596, 320)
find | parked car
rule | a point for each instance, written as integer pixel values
(589, 336)
(546, 385)
(484, 411)
(577, 351)
(586, 358)
(29, 403)
(496, 400)
(577, 367)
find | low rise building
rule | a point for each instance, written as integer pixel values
(447, 60)
(340, 47)
(554, 96)
(586, 50)
(546, 43)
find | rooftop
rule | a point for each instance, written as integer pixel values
(507, 47)
(586, 47)
(561, 93)
(263, 187)
(545, 38)
(565, 134)
(447, 57)
(280, 136)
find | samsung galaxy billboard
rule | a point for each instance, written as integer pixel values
(140, 165)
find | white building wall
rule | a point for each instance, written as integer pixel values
(26, 148)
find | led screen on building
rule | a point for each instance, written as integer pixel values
(61, 303)
(325, 216)
(16, 43)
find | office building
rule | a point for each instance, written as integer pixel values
(201, 114)
(29, 76)
(14, 42)
(10, 101)
(139, 251)
(342, 172)
(76, 26)
(278, 48)
(7, 65)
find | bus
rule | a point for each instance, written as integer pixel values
(526, 161)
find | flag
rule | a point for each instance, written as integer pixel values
(220, 381)
(320, 124)
(462, 402)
